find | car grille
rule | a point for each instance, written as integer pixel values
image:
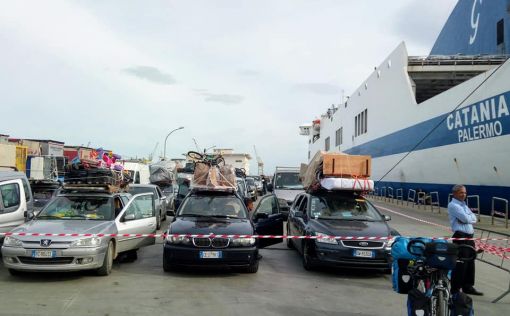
(211, 242)
(363, 244)
(58, 260)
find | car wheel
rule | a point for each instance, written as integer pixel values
(14, 272)
(290, 245)
(163, 215)
(307, 264)
(252, 268)
(167, 266)
(106, 268)
(158, 221)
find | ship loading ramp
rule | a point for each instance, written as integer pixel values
(433, 75)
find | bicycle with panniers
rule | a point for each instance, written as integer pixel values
(431, 291)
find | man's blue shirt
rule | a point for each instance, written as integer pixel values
(461, 217)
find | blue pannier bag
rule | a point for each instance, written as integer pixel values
(400, 277)
(462, 305)
(441, 255)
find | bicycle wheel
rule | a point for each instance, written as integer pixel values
(193, 155)
(441, 304)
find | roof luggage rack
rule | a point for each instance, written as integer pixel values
(95, 188)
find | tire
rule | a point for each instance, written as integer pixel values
(106, 268)
(307, 264)
(14, 272)
(158, 221)
(163, 215)
(290, 245)
(441, 304)
(167, 266)
(252, 268)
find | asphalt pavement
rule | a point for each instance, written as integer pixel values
(281, 286)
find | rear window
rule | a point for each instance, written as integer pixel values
(343, 207)
(79, 207)
(138, 190)
(227, 206)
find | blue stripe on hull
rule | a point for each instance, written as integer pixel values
(486, 193)
(482, 120)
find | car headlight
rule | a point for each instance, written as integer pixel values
(12, 242)
(86, 242)
(178, 240)
(389, 243)
(325, 239)
(242, 242)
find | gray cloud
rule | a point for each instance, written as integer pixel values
(318, 88)
(224, 98)
(219, 97)
(151, 74)
(248, 73)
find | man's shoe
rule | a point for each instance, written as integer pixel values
(472, 291)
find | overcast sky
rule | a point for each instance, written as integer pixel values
(122, 74)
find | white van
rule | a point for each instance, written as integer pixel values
(138, 171)
(15, 200)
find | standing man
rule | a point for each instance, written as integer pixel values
(461, 222)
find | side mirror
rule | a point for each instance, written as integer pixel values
(128, 217)
(387, 218)
(270, 187)
(298, 214)
(29, 216)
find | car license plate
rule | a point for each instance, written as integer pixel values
(43, 254)
(210, 254)
(363, 253)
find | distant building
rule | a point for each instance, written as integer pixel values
(237, 160)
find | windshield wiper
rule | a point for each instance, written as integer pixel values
(225, 216)
(48, 216)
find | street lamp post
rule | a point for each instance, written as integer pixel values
(166, 138)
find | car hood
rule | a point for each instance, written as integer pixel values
(194, 225)
(288, 195)
(67, 227)
(350, 228)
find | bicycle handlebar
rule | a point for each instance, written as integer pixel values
(416, 247)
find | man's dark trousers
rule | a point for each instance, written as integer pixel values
(463, 276)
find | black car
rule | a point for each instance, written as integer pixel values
(219, 213)
(338, 213)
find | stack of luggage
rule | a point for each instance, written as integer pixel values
(214, 177)
(337, 171)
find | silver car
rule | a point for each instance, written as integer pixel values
(81, 213)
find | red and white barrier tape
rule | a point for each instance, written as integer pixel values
(164, 235)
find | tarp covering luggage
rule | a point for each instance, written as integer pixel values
(214, 177)
(162, 172)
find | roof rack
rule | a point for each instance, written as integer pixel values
(97, 188)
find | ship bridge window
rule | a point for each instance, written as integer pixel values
(360, 123)
(500, 36)
(339, 136)
(434, 75)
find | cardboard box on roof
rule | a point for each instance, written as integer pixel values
(342, 165)
(339, 165)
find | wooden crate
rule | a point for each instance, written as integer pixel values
(341, 165)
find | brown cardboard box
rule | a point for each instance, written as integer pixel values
(336, 164)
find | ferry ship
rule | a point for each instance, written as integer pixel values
(432, 122)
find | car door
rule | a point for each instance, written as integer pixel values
(12, 204)
(137, 217)
(268, 221)
(159, 201)
(300, 219)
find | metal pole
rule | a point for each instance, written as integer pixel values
(166, 138)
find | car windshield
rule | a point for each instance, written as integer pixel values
(214, 206)
(288, 180)
(78, 207)
(343, 207)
